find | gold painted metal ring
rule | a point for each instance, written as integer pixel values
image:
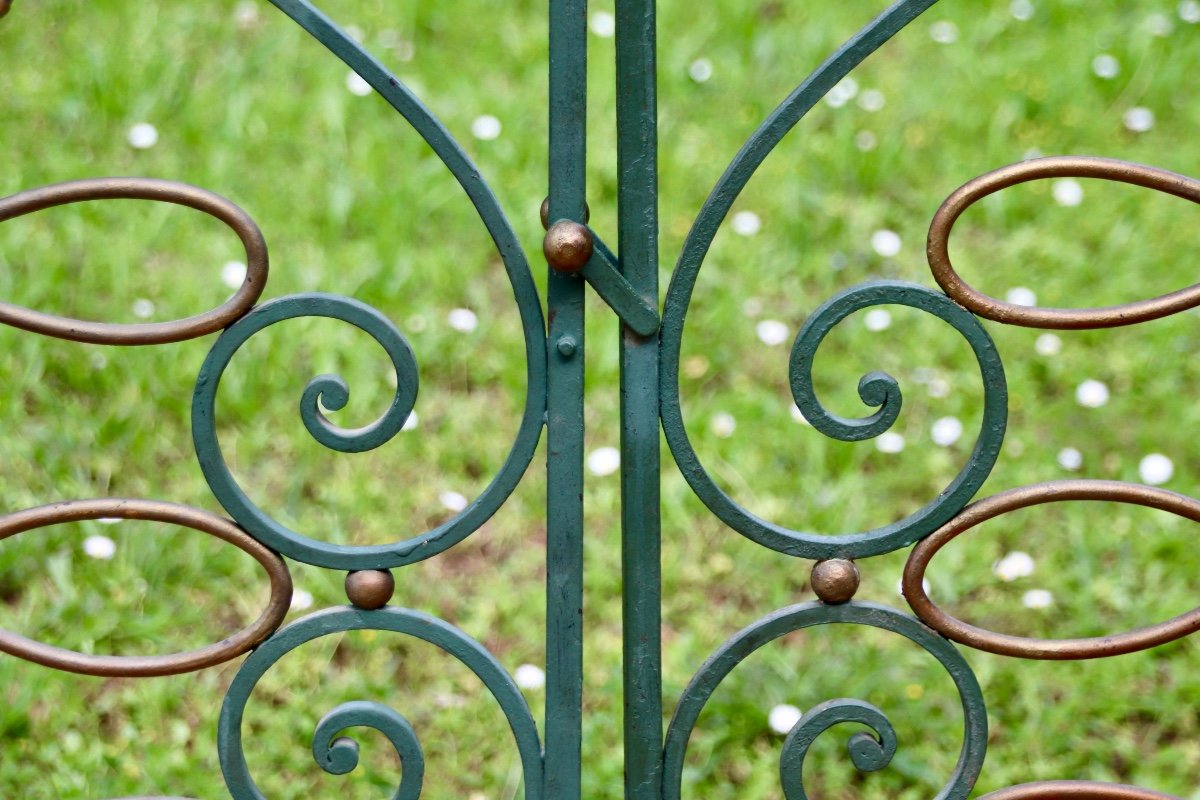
(1046, 649)
(183, 194)
(1076, 790)
(938, 248)
(146, 666)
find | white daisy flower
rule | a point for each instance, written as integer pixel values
(772, 332)
(357, 85)
(604, 461)
(1037, 598)
(1021, 296)
(746, 223)
(798, 415)
(872, 100)
(1189, 11)
(723, 424)
(1021, 10)
(1091, 394)
(233, 274)
(530, 677)
(1067, 192)
(486, 128)
(1048, 344)
(143, 308)
(454, 501)
(301, 600)
(944, 32)
(410, 423)
(700, 70)
(889, 442)
(603, 24)
(143, 136)
(1013, 566)
(1139, 119)
(462, 320)
(1156, 469)
(1106, 66)
(100, 547)
(877, 319)
(946, 431)
(783, 718)
(866, 141)
(886, 243)
(1070, 458)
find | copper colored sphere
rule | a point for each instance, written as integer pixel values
(370, 588)
(544, 212)
(567, 246)
(835, 581)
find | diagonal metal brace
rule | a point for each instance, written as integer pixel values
(574, 248)
(602, 272)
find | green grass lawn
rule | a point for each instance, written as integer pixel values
(352, 202)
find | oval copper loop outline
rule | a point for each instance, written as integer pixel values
(1046, 649)
(937, 245)
(147, 666)
(1076, 790)
(183, 194)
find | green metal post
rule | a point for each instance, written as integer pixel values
(637, 229)
(564, 421)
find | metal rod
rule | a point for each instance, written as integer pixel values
(564, 420)
(637, 233)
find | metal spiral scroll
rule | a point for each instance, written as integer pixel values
(945, 514)
(338, 756)
(867, 752)
(333, 392)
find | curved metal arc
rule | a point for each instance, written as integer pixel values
(148, 666)
(1076, 790)
(1046, 649)
(938, 243)
(399, 620)
(794, 618)
(334, 393)
(183, 194)
(683, 281)
(876, 389)
(755, 151)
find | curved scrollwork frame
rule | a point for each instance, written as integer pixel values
(942, 519)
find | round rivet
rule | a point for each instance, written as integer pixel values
(835, 581)
(544, 212)
(5, 6)
(567, 246)
(566, 346)
(370, 588)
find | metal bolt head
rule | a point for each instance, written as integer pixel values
(835, 581)
(567, 246)
(370, 588)
(544, 212)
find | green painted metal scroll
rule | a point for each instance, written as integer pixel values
(626, 278)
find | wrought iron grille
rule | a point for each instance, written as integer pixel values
(626, 278)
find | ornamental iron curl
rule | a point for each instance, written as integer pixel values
(626, 279)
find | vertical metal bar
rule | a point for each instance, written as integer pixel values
(564, 415)
(637, 210)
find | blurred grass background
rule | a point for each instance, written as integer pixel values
(352, 202)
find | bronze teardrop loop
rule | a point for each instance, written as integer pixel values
(61, 194)
(1046, 649)
(146, 666)
(938, 247)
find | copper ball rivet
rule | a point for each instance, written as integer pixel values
(567, 246)
(544, 211)
(835, 581)
(370, 588)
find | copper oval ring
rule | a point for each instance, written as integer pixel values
(145, 666)
(938, 247)
(1076, 790)
(183, 194)
(1048, 649)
